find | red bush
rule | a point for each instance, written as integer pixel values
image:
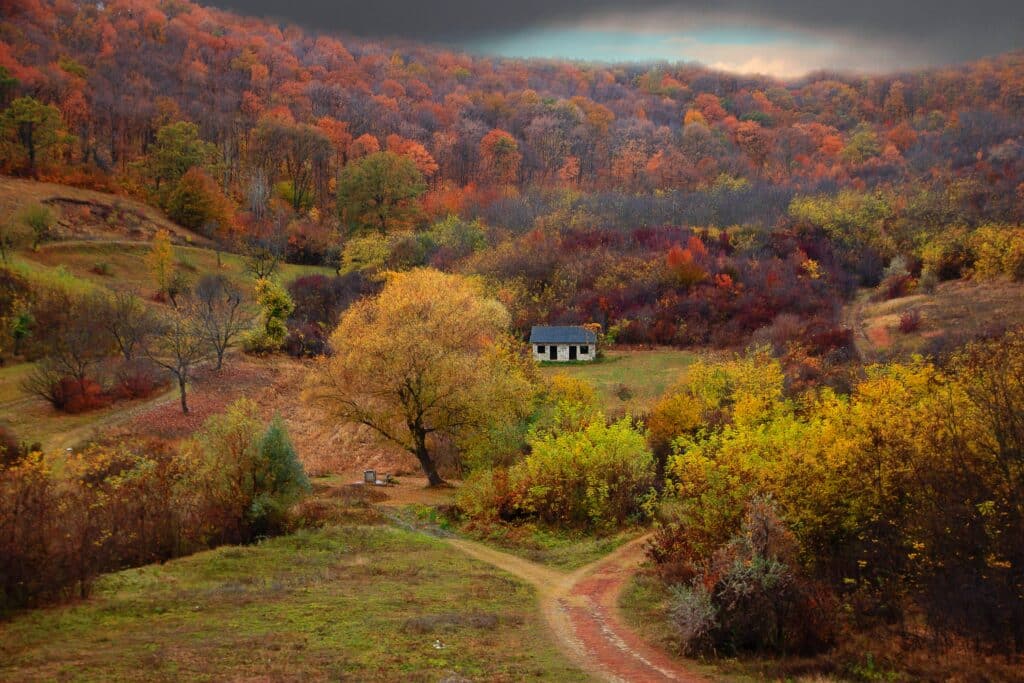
(910, 321)
(138, 379)
(893, 287)
(306, 340)
(78, 396)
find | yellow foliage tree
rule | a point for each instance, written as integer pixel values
(905, 489)
(694, 116)
(428, 358)
(160, 260)
(998, 251)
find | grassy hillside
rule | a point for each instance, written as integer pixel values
(956, 311)
(368, 603)
(121, 265)
(87, 256)
(629, 379)
(86, 214)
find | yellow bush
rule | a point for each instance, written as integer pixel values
(998, 251)
(596, 476)
(902, 491)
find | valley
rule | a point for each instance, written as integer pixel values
(347, 349)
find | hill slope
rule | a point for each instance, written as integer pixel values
(91, 215)
(956, 312)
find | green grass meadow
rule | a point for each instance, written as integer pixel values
(629, 380)
(122, 265)
(361, 603)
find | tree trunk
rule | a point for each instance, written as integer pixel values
(31, 147)
(426, 462)
(181, 390)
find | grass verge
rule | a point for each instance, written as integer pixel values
(559, 548)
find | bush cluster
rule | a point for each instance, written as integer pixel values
(898, 496)
(319, 302)
(910, 321)
(64, 519)
(751, 595)
(593, 475)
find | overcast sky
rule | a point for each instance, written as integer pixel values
(778, 37)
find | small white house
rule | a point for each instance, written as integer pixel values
(563, 343)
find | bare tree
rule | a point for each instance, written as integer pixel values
(127, 320)
(266, 250)
(257, 194)
(221, 313)
(71, 339)
(261, 262)
(43, 380)
(178, 287)
(178, 347)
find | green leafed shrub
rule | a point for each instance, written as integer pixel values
(39, 219)
(245, 478)
(594, 476)
(275, 306)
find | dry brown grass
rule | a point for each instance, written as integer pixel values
(90, 215)
(327, 446)
(275, 384)
(957, 311)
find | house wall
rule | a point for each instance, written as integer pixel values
(563, 352)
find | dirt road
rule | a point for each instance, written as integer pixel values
(581, 609)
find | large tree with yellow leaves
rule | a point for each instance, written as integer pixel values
(428, 358)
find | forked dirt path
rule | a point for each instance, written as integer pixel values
(580, 607)
(582, 610)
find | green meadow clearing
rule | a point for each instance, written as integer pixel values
(629, 380)
(354, 602)
(122, 265)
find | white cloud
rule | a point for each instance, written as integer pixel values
(726, 42)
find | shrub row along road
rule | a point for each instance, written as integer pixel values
(581, 609)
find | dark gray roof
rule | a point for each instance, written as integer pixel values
(561, 334)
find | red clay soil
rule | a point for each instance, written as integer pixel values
(618, 652)
(581, 610)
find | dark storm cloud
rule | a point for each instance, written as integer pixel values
(948, 29)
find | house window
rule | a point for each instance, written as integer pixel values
(540, 348)
(584, 350)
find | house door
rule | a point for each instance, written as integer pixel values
(572, 352)
(553, 352)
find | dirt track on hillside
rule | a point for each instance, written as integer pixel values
(581, 609)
